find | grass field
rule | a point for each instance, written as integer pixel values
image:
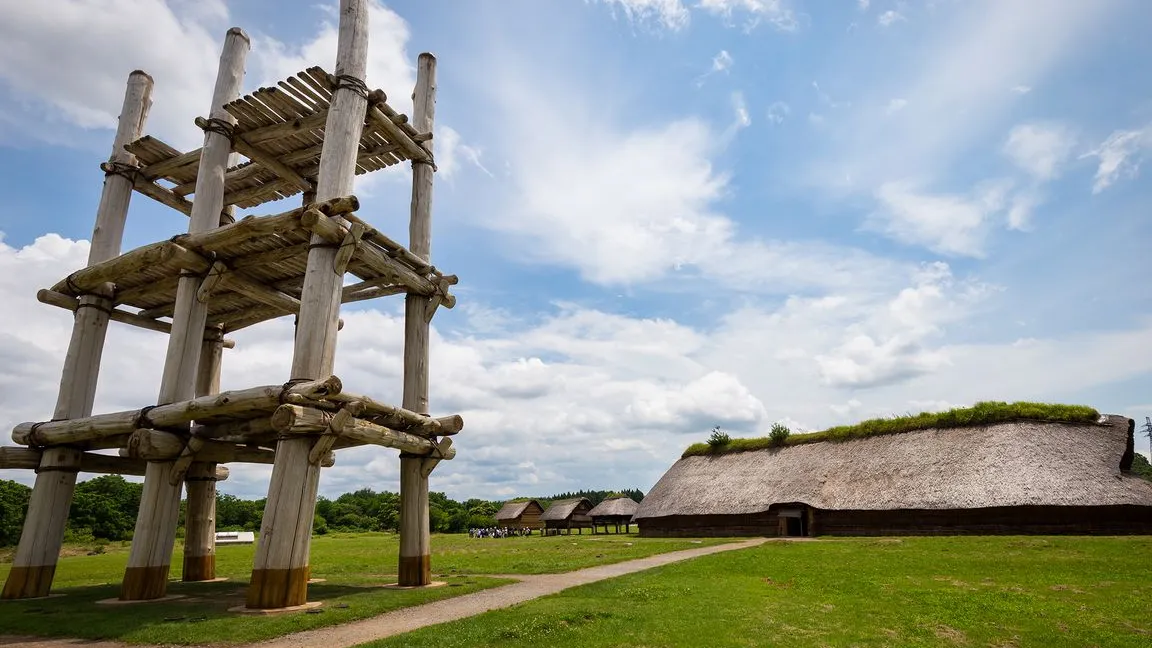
(976, 591)
(353, 564)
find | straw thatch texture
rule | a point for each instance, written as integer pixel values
(1005, 465)
(615, 507)
(565, 509)
(513, 510)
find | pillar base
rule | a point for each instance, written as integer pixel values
(144, 583)
(199, 568)
(270, 611)
(278, 588)
(29, 582)
(415, 571)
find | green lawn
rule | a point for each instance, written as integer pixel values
(966, 591)
(353, 564)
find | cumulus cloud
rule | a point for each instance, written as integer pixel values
(946, 223)
(1040, 148)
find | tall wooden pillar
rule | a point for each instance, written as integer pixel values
(415, 550)
(35, 562)
(200, 482)
(280, 571)
(148, 563)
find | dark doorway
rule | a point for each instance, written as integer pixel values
(795, 522)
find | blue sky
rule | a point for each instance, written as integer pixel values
(666, 215)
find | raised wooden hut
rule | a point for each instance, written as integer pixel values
(1016, 478)
(520, 515)
(567, 514)
(614, 511)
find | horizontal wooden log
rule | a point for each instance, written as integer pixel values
(265, 159)
(90, 278)
(253, 226)
(143, 184)
(296, 419)
(60, 300)
(244, 403)
(369, 255)
(29, 459)
(157, 445)
(402, 419)
(164, 168)
(255, 427)
(397, 134)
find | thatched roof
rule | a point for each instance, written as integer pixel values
(615, 506)
(513, 510)
(1009, 464)
(563, 509)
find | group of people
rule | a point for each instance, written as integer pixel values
(498, 532)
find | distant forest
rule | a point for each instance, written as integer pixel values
(104, 509)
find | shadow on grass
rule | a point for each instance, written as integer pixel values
(201, 615)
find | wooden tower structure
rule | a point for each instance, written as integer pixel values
(310, 135)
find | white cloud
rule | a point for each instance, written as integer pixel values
(863, 4)
(944, 223)
(896, 105)
(1022, 89)
(668, 14)
(889, 17)
(774, 11)
(1119, 156)
(389, 65)
(1040, 148)
(722, 61)
(778, 112)
(178, 43)
(948, 77)
(743, 119)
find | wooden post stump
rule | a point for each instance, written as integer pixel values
(415, 552)
(200, 482)
(35, 562)
(148, 563)
(281, 569)
(200, 525)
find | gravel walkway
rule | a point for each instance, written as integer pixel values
(413, 618)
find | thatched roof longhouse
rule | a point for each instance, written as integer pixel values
(1003, 465)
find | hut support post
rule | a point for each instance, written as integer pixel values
(415, 547)
(280, 571)
(200, 524)
(149, 560)
(35, 562)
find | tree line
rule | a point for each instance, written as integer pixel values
(105, 507)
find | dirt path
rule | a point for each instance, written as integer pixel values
(419, 616)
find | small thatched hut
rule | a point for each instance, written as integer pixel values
(1019, 477)
(566, 515)
(614, 511)
(520, 515)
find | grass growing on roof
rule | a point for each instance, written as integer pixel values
(983, 413)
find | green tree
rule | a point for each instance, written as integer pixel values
(13, 507)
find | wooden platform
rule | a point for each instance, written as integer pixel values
(234, 425)
(280, 130)
(253, 270)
